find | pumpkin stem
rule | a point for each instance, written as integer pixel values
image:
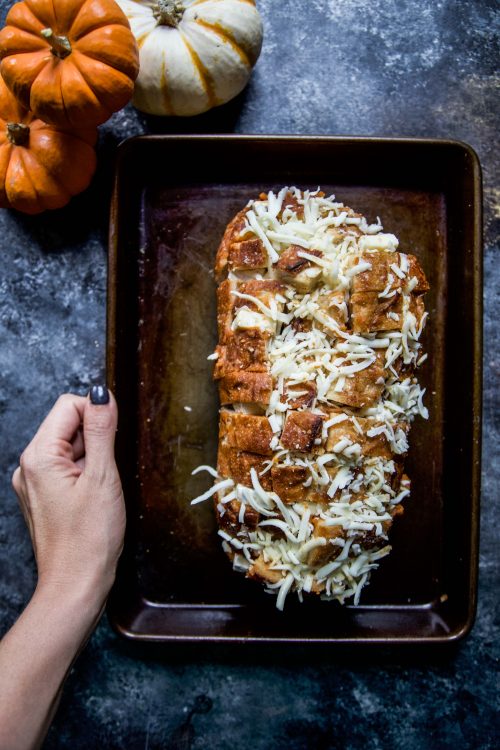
(17, 133)
(61, 46)
(168, 12)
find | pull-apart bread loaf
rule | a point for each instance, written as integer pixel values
(319, 320)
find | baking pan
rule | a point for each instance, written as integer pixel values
(173, 196)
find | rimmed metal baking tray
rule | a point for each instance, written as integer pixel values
(173, 196)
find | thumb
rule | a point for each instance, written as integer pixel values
(100, 419)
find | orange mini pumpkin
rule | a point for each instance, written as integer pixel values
(41, 166)
(72, 62)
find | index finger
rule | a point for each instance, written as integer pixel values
(63, 419)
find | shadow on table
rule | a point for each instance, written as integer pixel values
(223, 119)
(286, 655)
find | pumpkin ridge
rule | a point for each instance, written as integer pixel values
(53, 11)
(64, 145)
(5, 154)
(164, 87)
(203, 72)
(36, 10)
(99, 23)
(20, 48)
(91, 94)
(20, 155)
(82, 75)
(62, 99)
(61, 187)
(70, 18)
(95, 55)
(5, 143)
(88, 78)
(224, 34)
(7, 64)
(11, 166)
(44, 91)
(11, 109)
(26, 21)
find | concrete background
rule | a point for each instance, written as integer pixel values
(357, 67)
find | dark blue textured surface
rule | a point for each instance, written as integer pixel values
(355, 67)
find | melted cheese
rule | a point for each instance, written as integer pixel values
(357, 490)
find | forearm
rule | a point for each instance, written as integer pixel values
(35, 657)
(71, 496)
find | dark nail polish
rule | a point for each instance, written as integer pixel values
(99, 395)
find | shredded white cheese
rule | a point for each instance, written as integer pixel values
(349, 488)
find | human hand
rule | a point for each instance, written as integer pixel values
(70, 494)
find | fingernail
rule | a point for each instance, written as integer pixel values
(99, 395)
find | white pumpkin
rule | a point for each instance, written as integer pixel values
(194, 54)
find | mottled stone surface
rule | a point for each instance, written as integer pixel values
(393, 67)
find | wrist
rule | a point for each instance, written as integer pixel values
(83, 597)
